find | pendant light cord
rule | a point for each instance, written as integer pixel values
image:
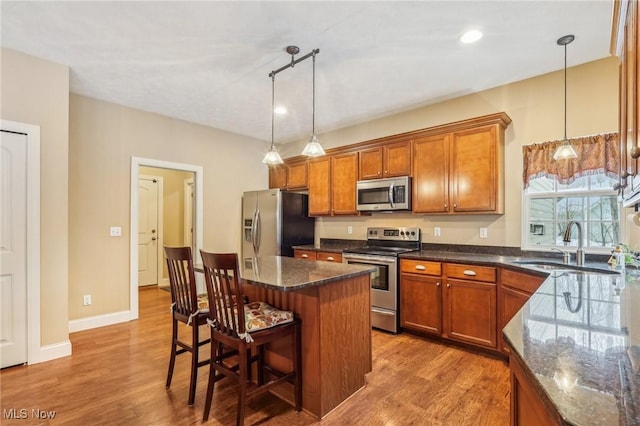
(313, 109)
(273, 95)
(565, 92)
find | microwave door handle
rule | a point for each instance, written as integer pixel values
(391, 197)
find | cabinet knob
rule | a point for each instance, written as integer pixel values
(455, 205)
(304, 256)
(446, 206)
(438, 284)
(330, 259)
(448, 285)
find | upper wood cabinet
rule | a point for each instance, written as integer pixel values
(291, 175)
(385, 161)
(332, 185)
(624, 43)
(461, 171)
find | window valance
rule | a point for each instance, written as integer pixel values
(596, 154)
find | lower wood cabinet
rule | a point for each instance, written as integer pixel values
(527, 406)
(470, 304)
(514, 291)
(435, 299)
(421, 296)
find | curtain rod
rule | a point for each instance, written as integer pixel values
(293, 62)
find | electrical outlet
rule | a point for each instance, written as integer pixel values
(483, 232)
(349, 229)
(115, 231)
(86, 300)
(436, 231)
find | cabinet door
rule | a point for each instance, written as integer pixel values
(475, 177)
(304, 254)
(470, 312)
(371, 163)
(431, 174)
(527, 409)
(421, 303)
(278, 176)
(297, 175)
(320, 186)
(510, 302)
(397, 159)
(344, 175)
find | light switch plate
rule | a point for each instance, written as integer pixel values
(436, 231)
(115, 231)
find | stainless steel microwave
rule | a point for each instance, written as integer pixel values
(384, 194)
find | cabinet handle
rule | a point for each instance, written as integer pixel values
(470, 273)
(421, 268)
(330, 258)
(448, 285)
(304, 256)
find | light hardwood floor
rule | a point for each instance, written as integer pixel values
(116, 375)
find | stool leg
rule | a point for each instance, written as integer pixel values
(242, 388)
(172, 358)
(215, 347)
(194, 361)
(297, 364)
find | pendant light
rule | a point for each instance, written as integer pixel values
(313, 148)
(565, 151)
(272, 157)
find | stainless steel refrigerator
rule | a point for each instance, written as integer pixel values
(273, 221)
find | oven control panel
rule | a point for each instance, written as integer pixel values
(393, 234)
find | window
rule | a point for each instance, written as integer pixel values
(550, 205)
(580, 189)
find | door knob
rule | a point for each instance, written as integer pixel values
(153, 238)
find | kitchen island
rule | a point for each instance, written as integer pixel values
(333, 303)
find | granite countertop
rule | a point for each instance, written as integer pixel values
(578, 335)
(289, 274)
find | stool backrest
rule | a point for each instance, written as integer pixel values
(182, 280)
(224, 291)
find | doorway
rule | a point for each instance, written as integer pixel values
(20, 278)
(171, 231)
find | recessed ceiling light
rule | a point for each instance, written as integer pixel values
(471, 36)
(280, 110)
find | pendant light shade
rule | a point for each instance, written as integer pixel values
(313, 147)
(272, 157)
(565, 151)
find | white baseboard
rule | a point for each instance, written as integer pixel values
(54, 351)
(99, 321)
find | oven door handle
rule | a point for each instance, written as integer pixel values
(370, 259)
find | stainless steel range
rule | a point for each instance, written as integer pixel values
(382, 250)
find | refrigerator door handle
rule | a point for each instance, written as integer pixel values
(256, 233)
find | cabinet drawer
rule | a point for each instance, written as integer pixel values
(329, 257)
(471, 272)
(423, 267)
(304, 254)
(520, 281)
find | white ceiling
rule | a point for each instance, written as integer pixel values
(208, 62)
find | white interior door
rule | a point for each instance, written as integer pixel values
(188, 213)
(13, 249)
(147, 231)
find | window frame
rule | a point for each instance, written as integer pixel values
(525, 243)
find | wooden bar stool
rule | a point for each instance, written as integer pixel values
(246, 328)
(186, 307)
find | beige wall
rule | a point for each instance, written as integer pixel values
(103, 138)
(35, 91)
(536, 108)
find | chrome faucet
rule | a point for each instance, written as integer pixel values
(567, 238)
